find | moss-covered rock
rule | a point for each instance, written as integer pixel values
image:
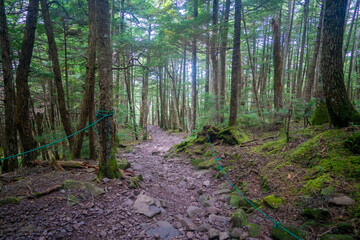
(208, 164)
(319, 214)
(273, 201)
(280, 234)
(91, 188)
(232, 136)
(220, 174)
(196, 161)
(135, 182)
(321, 115)
(328, 191)
(123, 164)
(234, 200)
(336, 237)
(9, 200)
(72, 184)
(238, 218)
(254, 230)
(182, 146)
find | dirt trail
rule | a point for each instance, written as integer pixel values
(180, 203)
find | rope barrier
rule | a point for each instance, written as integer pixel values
(276, 223)
(101, 114)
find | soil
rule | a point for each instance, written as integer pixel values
(168, 179)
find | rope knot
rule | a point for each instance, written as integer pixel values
(276, 224)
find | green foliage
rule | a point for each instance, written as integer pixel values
(352, 142)
(315, 185)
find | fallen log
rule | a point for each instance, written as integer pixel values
(46, 192)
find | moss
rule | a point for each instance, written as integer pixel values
(321, 115)
(238, 218)
(281, 234)
(110, 169)
(9, 200)
(254, 230)
(274, 147)
(315, 185)
(196, 162)
(135, 181)
(352, 142)
(128, 149)
(328, 191)
(220, 174)
(207, 164)
(232, 136)
(123, 164)
(272, 201)
(319, 214)
(208, 153)
(234, 200)
(336, 237)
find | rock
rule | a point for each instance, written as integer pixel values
(222, 191)
(94, 190)
(72, 200)
(239, 233)
(163, 230)
(193, 211)
(190, 235)
(273, 201)
(187, 224)
(281, 234)
(320, 214)
(123, 164)
(203, 228)
(145, 205)
(238, 218)
(342, 201)
(106, 180)
(91, 188)
(27, 229)
(336, 237)
(206, 183)
(103, 234)
(328, 191)
(213, 210)
(224, 236)
(90, 170)
(234, 200)
(217, 219)
(213, 233)
(208, 164)
(254, 230)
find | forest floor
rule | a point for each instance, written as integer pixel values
(175, 200)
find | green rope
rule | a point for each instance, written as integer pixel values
(101, 115)
(276, 223)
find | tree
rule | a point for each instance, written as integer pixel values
(277, 65)
(22, 86)
(193, 71)
(236, 64)
(340, 109)
(107, 161)
(10, 126)
(214, 58)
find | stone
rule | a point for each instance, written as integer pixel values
(103, 234)
(187, 224)
(123, 163)
(254, 230)
(328, 191)
(87, 186)
(163, 230)
(206, 183)
(273, 201)
(224, 236)
(203, 228)
(190, 235)
(193, 211)
(281, 234)
(342, 201)
(213, 210)
(213, 233)
(106, 180)
(145, 205)
(90, 170)
(336, 237)
(319, 214)
(238, 218)
(238, 233)
(217, 219)
(207, 164)
(222, 191)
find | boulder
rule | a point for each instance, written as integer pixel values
(238, 218)
(342, 201)
(273, 201)
(146, 205)
(162, 230)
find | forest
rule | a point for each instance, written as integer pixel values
(180, 119)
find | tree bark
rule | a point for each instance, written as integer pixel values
(65, 118)
(23, 91)
(236, 64)
(352, 58)
(10, 132)
(277, 65)
(224, 37)
(89, 86)
(350, 30)
(193, 72)
(214, 60)
(107, 161)
(340, 109)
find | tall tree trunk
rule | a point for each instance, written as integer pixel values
(224, 37)
(10, 132)
(236, 65)
(65, 119)
(22, 86)
(311, 73)
(183, 92)
(207, 64)
(214, 60)
(341, 111)
(89, 86)
(352, 58)
(107, 161)
(300, 75)
(277, 65)
(350, 30)
(193, 71)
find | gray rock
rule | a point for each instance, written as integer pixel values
(187, 224)
(145, 205)
(163, 230)
(217, 219)
(213, 210)
(224, 236)
(342, 201)
(222, 191)
(190, 235)
(213, 233)
(239, 233)
(203, 228)
(103, 234)
(206, 183)
(193, 211)
(105, 180)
